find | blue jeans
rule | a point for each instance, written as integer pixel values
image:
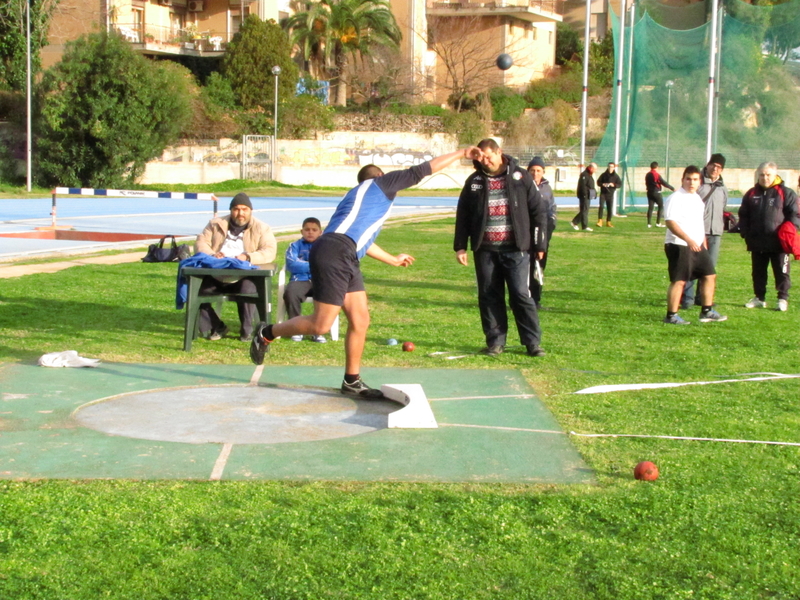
(692, 287)
(495, 271)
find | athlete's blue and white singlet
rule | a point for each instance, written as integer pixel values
(363, 210)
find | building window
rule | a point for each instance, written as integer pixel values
(137, 21)
(176, 24)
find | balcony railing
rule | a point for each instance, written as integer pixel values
(554, 7)
(154, 37)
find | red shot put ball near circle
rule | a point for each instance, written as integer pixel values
(408, 346)
(646, 471)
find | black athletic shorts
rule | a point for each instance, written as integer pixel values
(686, 265)
(335, 268)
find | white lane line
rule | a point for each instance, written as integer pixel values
(680, 437)
(222, 459)
(256, 375)
(483, 397)
(502, 428)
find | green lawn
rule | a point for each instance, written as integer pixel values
(723, 521)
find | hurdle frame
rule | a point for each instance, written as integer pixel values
(70, 191)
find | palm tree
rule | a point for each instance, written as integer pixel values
(329, 31)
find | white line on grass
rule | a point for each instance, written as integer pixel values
(677, 437)
(222, 459)
(624, 387)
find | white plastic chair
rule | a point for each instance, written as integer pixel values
(129, 34)
(281, 312)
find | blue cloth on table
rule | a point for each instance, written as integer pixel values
(204, 261)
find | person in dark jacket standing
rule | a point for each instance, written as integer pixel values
(609, 182)
(764, 209)
(715, 197)
(501, 216)
(586, 191)
(536, 170)
(654, 183)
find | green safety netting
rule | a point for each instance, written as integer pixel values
(756, 108)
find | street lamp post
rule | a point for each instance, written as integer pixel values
(276, 70)
(669, 85)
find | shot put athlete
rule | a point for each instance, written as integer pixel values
(335, 269)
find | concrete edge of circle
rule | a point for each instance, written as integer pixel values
(416, 412)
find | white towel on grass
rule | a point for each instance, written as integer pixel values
(68, 358)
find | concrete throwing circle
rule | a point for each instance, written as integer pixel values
(235, 415)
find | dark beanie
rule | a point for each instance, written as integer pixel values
(718, 159)
(536, 161)
(241, 199)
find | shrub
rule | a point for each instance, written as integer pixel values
(259, 46)
(563, 120)
(569, 45)
(566, 86)
(467, 126)
(302, 116)
(218, 93)
(424, 110)
(103, 112)
(506, 104)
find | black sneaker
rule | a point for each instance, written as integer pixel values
(362, 390)
(534, 350)
(219, 334)
(260, 345)
(493, 350)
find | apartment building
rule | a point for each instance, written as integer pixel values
(525, 29)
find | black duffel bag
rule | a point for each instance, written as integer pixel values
(157, 252)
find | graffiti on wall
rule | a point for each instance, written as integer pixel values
(395, 158)
(307, 155)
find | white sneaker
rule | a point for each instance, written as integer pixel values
(575, 227)
(588, 229)
(320, 339)
(660, 225)
(756, 303)
(649, 226)
(783, 305)
(297, 338)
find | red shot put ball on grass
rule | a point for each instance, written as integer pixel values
(408, 346)
(646, 471)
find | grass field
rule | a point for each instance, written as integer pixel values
(723, 521)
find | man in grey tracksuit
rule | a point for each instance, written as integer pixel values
(715, 197)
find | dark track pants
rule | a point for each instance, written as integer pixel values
(654, 198)
(209, 319)
(582, 218)
(495, 271)
(780, 270)
(293, 295)
(607, 202)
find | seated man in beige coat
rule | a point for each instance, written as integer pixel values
(237, 235)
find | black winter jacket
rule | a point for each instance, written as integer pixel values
(586, 189)
(528, 211)
(762, 212)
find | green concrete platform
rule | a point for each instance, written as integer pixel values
(492, 428)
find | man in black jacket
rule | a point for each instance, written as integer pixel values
(586, 191)
(501, 216)
(764, 208)
(609, 181)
